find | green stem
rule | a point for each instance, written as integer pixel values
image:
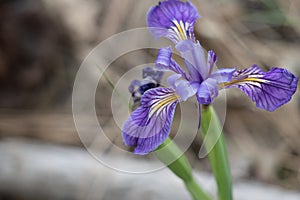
(210, 125)
(196, 192)
(173, 157)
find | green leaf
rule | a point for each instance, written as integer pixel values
(210, 126)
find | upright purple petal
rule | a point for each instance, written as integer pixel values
(269, 90)
(150, 124)
(173, 19)
(194, 58)
(211, 60)
(165, 62)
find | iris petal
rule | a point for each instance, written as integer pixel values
(194, 58)
(173, 19)
(150, 124)
(184, 89)
(165, 62)
(211, 59)
(171, 80)
(223, 75)
(207, 91)
(269, 90)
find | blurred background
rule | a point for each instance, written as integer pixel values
(42, 44)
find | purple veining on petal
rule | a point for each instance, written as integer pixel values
(165, 62)
(176, 17)
(269, 90)
(150, 124)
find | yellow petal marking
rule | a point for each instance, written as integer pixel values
(182, 33)
(250, 79)
(165, 101)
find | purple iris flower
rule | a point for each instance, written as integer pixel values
(150, 124)
(151, 79)
(173, 19)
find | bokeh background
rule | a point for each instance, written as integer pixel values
(42, 44)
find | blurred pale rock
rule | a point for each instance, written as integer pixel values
(35, 170)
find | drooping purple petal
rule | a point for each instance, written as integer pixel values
(177, 18)
(207, 91)
(195, 60)
(269, 90)
(150, 124)
(165, 62)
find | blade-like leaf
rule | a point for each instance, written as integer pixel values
(218, 159)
